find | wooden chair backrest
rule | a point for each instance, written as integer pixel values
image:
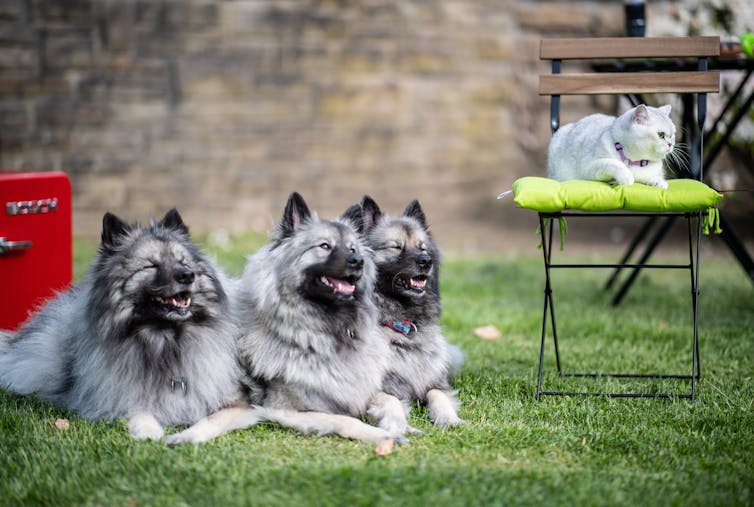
(616, 48)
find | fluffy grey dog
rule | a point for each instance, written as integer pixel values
(309, 339)
(408, 299)
(147, 335)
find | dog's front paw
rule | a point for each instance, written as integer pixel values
(442, 407)
(184, 437)
(144, 426)
(400, 439)
(414, 431)
(390, 414)
(448, 420)
(394, 425)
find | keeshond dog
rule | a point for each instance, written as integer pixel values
(309, 340)
(147, 334)
(408, 299)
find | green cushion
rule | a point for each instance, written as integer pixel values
(546, 195)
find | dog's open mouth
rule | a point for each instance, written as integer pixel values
(414, 284)
(339, 286)
(179, 303)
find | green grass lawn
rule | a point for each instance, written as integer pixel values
(512, 450)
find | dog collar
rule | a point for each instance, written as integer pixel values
(624, 158)
(403, 327)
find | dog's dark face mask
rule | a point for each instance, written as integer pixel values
(334, 280)
(330, 254)
(406, 273)
(168, 296)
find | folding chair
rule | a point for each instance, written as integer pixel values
(689, 198)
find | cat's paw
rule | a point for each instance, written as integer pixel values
(624, 177)
(653, 180)
(658, 182)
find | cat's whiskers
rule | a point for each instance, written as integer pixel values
(678, 158)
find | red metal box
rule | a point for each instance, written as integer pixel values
(35, 242)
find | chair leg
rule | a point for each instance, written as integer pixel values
(542, 344)
(554, 333)
(547, 300)
(546, 232)
(694, 268)
(552, 303)
(695, 284)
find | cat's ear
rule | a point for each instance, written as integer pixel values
(665, 110)
(641, 115)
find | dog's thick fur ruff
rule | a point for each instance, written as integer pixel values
(147, 335)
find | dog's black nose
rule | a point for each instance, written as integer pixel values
(424, 261)
(183, 275)
(355, 260)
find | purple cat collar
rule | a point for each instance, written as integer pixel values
(403, 327)
(624, 158)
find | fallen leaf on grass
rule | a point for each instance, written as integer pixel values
(488, 333)
(385, 447)
(61, 424)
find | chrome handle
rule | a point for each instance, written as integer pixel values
(7, 246)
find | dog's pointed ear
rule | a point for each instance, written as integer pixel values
(173, 220)
(355, 215)
(371, 212)
(113, 229)
(414, 210)
(296, 212)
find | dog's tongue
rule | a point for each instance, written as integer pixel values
(180, 301)
(341, 286)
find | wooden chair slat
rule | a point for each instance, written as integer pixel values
(629, 47)
(638, 82)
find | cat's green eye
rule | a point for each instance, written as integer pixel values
(661, 134)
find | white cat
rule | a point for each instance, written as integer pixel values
(624, 150)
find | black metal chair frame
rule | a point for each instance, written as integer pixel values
(694, 222)
(546, 227)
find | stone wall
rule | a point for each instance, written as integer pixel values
(223, 108)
